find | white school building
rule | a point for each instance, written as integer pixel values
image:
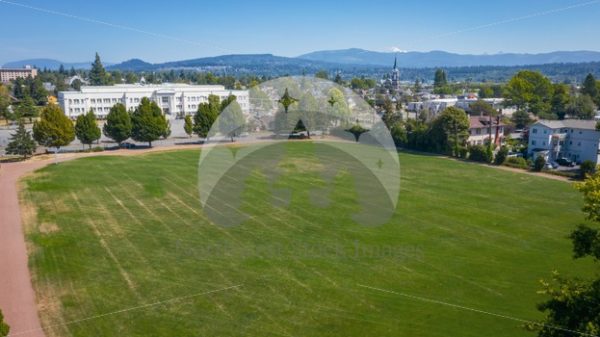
(175, 100)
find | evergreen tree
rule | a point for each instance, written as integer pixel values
(188, 126)
(118, 124)
(97, 73)
(440, 82)
(590, 88)
(148, 122)
(21, 144)
(54, 129)
(86, 128)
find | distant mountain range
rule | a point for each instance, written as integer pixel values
(346, 59)
(445, 59)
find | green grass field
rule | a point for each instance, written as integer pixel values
(111, 237)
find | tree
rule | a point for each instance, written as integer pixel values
(440, 82)
(206, 115)
(574, 304)
(4, 328)
(530, 91)
(582, 107)
(21, 144)
(148, 122)
(231, 120)
(482, 108)
(539, 163)
(521, 119)
(399, 133)
(590, 88)
(97, 73)
(188, 125)
(479, 153)
(501, 155)
(118, 124)
(440, 78)
(26, 109)
(4, 102)
(586, 168)
(560, 100)
(455, 125)
(86, 129)
(54, 129)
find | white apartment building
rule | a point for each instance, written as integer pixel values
(574, 139)
(175, 100)
(9, 74)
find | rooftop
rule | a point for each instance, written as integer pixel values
(568, 123)
(479, 122)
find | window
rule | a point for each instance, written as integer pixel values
(533, 142)
(93, 101)
(534, 130)
(165, 99)
(478, 131)
(107, 100)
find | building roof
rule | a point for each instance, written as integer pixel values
(568, 123)
(480, 122)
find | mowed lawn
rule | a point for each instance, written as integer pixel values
(119, 246)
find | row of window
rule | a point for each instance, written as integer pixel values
(535, 130)
(533, 142)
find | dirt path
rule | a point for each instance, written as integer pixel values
(17, 297)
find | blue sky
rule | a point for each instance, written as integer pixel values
(289, 28)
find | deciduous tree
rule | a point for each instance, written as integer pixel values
(54, 129)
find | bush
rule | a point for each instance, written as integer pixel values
(479, 153)
(539, 163)
(588, 167)
(501, 156)
(516, 162)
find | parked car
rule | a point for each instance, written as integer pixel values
(565, 162)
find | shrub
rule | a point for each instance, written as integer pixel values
(479, 153)
(539, 163)
(516, 162)
(501, 156)
(588, 167)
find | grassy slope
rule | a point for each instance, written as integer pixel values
(119, 232)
